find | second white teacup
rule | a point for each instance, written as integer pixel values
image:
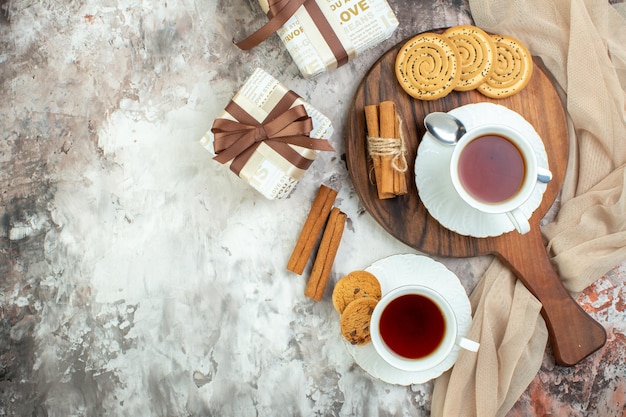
(494, 169)
(414, 328)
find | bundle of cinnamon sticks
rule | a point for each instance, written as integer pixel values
(386, 148)
(322, 216)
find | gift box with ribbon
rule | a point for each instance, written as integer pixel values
(324, 34)
(268, 135)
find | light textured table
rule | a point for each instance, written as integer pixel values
(139, 277)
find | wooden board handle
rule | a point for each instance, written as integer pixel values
(574, 334)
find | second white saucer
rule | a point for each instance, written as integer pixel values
(434, 186)
(396, 271)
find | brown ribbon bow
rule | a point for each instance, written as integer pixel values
(281, 11)
(237, 140)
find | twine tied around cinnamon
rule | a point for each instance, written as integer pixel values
(393, 147)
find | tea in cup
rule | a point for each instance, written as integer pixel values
(414, 328)
(494, 169)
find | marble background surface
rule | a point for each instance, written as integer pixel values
(139, 277)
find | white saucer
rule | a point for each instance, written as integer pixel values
(434, 186)
(396, 271)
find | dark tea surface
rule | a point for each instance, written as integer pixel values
(412, 326)
(491, 169)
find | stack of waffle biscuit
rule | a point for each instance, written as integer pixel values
(430, 65)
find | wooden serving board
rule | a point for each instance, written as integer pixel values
(573, 333)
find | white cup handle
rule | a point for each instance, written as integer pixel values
(519, 220)
(544, 175)
(468, 344)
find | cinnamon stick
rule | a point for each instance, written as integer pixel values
(326, 254)
(372, 122)
(387, 116)
(313, 225)
(399, 183)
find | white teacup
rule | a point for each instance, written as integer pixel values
(414, 328)
(494, 169)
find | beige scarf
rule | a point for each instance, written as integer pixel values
(583, 44)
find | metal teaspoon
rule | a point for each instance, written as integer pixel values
(445, 127)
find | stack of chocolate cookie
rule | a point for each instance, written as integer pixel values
(354, 297)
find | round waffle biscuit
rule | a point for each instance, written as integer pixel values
(427, 66)
(512, 70)
(476, 51)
